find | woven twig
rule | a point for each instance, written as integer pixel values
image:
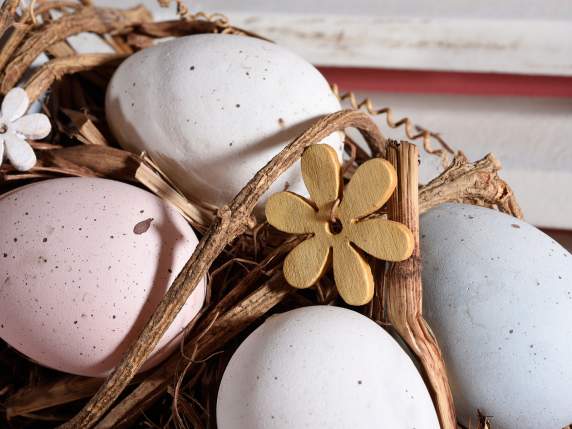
(89, 19)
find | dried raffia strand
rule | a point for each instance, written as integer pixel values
(53, 70)
(89, 19)
(403, 285)
(196, 215)
(229, 223)
(475, 183)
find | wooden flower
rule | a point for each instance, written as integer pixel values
(342, 224)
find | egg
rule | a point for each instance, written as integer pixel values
(498, 296)
(322, 367)
(84, 262)
(213, 109)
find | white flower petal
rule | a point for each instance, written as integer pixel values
(35, 126)
(19, 152)
(15, 104)
(1, 149)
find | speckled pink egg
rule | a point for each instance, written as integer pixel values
(83, 264)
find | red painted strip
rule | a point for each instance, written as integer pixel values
(434, 82)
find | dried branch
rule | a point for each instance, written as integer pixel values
(89, 19)
(475, 183)
(404, 289)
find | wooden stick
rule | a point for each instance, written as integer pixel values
(404, 289)
(230, 222)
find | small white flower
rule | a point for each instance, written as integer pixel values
(15, 128)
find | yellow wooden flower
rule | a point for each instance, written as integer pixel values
(339, 224)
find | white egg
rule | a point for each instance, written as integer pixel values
(498, 295)
(83, 264)
(213, 109)
(322, 367)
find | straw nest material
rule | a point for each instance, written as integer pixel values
(241, 257)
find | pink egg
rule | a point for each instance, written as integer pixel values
(83, 264)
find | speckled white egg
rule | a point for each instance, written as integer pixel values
(212, 109)
(498, 295)
(322, 367)
(84, 262)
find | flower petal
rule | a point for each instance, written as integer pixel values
(369, 189)
(322, 173)
(382, 238)
(291, 213)
(1, 149)
(35, 126)
(352, 274)
(19, 152)
(15, 104)
(306, 263)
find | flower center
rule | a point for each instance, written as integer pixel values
(3, 128)
(335, 226)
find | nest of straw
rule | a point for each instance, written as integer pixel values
(242, 258)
